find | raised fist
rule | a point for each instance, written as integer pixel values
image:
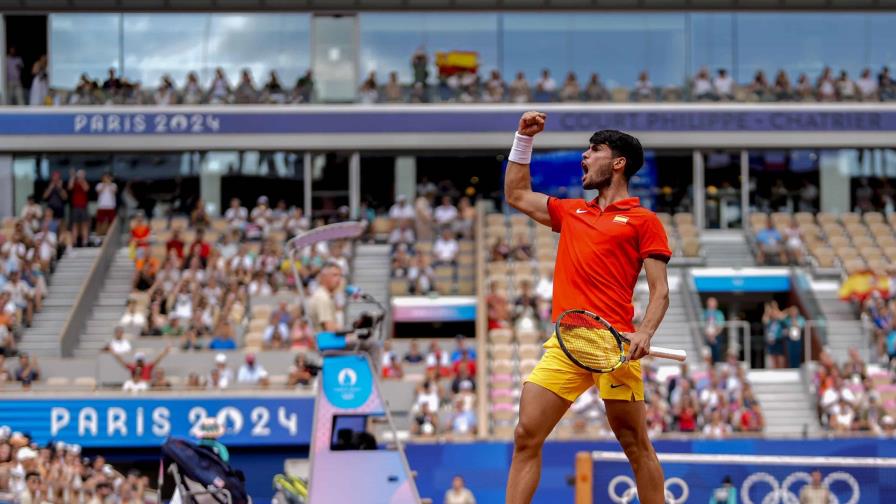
(531, 123)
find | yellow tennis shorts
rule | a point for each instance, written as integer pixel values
(558, 374)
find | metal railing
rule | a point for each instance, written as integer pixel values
(739, 336)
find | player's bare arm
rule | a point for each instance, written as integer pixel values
(656, 308)
(517, 180)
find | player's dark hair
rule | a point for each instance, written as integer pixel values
(623, 145)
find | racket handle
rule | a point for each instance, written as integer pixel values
(668, 353)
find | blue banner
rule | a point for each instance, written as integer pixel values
(347, 381)
(148, 421)
(772, 283)
(196, 121)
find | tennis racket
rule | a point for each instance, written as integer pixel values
(593, 344)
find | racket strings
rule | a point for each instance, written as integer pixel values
(589, 342)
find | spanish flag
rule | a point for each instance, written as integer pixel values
(620, 219)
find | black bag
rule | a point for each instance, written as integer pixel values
(203, 466)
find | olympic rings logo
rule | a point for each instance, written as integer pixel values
(779, 493)
(632, 491)
(783, 495)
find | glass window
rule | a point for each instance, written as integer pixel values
(712, 42)
(83, 43)
(882, 40)
(159, 44)
(261, 43)
(784, 180)
(389, 40)
(619, 46)
(799, 43)
(523, 33)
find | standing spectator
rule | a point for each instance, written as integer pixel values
(595, 90)
(413, 355)
(724, 85)
(219, 91)
(392, 89)
(369, 93)
(868, 86)
(545, 87)
(420, 66)
(644, 88)
(106, 203)
(55, 196)
(15, 94)
(273, 91)
(702, 87)
(112, 84)
(140, 369)
(846, 88)
(252, 373)
(815, 492)
(446, 248)
(826, 87)
(774, 334)
(782, 89)
(446, 213)
(236, 215)
(322, 304)
(304, 89)
(769, 240)
(245, 91)
(192, 91)
(713, 325)
(459, 494)
(759, 87)
(39, 82)
(571, 90)
(165, 94)
(793, 327)
(804, 89)
(79, 191)
(519, 89)
(885, 85)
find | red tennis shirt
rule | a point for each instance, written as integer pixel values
(600, 256)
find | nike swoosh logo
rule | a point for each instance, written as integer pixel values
(581, 210)
(615, 385)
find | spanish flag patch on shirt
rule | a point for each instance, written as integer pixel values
(620, 219)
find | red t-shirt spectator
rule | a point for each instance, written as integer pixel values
(687, 420)
(79, 196)
(144, 372)
(140, 235)
(470, 364)
(201, 249)
(177, 244)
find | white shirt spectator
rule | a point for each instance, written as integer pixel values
(399, 235)
(443, 360)
(867, 86)
(445, 214)
(463, 422)
(843, 418)
(19, 293)
(401, 210)
(547, 84)
(251, 374)
(281, 328)
(32, 211)
(724, 85)
(236, 216)
(719, 431)
(120, 346)
(133, 323)
(445, 250)
(105, 195)
(702, 86)
(430, 398)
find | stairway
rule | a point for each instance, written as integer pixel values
(844, 329)
(788, 408)
(726, 248)
(674, 331)
(370, 272)
(42, 338)
(109, 306)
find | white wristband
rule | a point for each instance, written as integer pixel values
(521, 152)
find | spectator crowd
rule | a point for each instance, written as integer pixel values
(854, 396)
(59, 473)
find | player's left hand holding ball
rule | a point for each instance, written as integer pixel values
(639, 344)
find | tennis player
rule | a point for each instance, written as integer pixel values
(603, 245)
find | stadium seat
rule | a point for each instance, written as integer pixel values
(500, 335)
(494, 219)
(873, 218)
(501, 351)
(502, 366)
(530, 337)
(529, 351)
(683, 218)
(826, 218)
(850, 218)
(690, 247)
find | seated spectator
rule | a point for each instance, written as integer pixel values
(500, 250)
(717, 428)
(421, 277)
(759, 87)
(702, 87)
(28, 370)
(413, 355)
(782, 89)
(519, 90)
(463, 422)
(804, 89)
(685, 414)
(724, 85)
(446, 213)
(401, 261)
(145, 277)
(462, 349)
(252, 373)
(21, 295)
(846, 88)
(426, 422)
(175, 244)
(403, 234)
(867, 86)
(191, 340)
(595, 89)
(120, 344)
(393, 369)
(465, 376)
(222, 337)
(245, 91)
(300, 373)
(199, 248)
(445, 249)
(277, 325)
(392, 90)
(842, 417)
(301, 337)
(571, 91)
(526, 304)
(545, 87)
(770, 244)
(498, 308)
(402, 209)
(826, 87)
(886, 85)
(494, 87)
(467, 363)
(159, 380)
(221, 376)
(522, 249)
(438, 360)
(369, 93)
(713, 325)
(793, 242)
(644, 88)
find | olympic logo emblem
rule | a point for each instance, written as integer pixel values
(781, 493)
(631, 491)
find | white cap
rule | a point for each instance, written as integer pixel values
(221, 358)
(139, 356)
(26, 453)
(74, 449)
(888, 420)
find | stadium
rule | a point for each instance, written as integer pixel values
(287, 251)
